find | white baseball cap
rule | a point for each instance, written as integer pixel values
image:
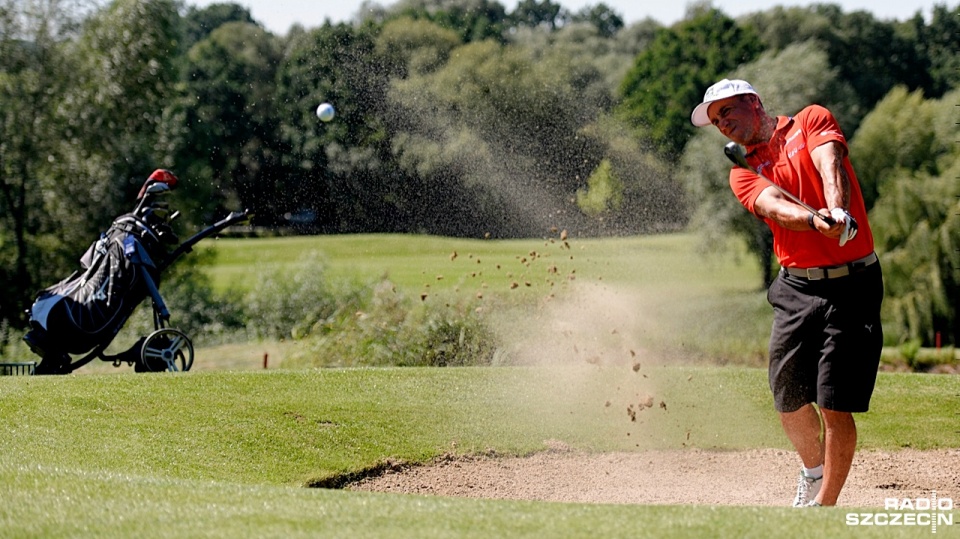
(721, 90)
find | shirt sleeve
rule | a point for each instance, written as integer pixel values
(821, 127)
(747, 187)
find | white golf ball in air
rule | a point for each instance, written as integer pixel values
(325, 112)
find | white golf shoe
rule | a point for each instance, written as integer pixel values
(807, 490)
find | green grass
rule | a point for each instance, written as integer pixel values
(227, 450)
(302, 426)
(226, 454)
(415, 262)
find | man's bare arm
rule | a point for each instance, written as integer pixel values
(828, 158)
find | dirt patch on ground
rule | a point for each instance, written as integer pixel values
(691, 476)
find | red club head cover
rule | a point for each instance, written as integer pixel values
(160, 175)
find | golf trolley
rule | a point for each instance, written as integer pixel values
(81, 315)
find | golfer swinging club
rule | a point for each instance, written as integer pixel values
(826, 338)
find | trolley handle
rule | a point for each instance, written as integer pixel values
(187, 246)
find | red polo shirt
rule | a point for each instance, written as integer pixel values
(785, 159)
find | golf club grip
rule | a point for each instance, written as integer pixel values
(826, 219)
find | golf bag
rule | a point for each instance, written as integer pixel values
(83, 313)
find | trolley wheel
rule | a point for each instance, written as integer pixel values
(166, 349)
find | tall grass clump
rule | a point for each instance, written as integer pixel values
(289, 303)
(349, 323)
(391, 328)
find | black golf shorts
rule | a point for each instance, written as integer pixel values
(826, 340)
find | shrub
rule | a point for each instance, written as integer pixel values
(449, 334)
(348, 323)
(389, 328)
(288, 304)
(910, 350)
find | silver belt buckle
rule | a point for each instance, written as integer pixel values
(816, 274)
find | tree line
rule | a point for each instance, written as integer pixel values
(460, 118)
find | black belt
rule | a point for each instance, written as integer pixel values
(832, 272)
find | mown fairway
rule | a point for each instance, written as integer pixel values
(229, 453)
(662, 262)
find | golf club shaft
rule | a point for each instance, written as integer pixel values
(736, 154)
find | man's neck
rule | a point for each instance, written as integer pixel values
(768, 125)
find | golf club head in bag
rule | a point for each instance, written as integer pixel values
(154, 211)
(162, 176)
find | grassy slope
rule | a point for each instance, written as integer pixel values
(293, 427)
(224, 454)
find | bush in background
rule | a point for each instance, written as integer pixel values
(347, 323)
(390, 328)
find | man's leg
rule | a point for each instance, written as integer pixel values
(840, 443)
(803, 429)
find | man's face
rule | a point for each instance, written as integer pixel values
(738, 118)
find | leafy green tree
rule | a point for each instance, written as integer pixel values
(200, 22)
(916, 218)
(917, 229)
(938, 44)
(542, 13)
(474, 20)
(607, 21)
(127, 56)
(590, 51)
(35, 74)
(669, 77)
(637, 37)
(509, 144)
(872, 56)
(229, 138)
(415, 46)
(596, 66)
(341, 171)
(904, 133)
